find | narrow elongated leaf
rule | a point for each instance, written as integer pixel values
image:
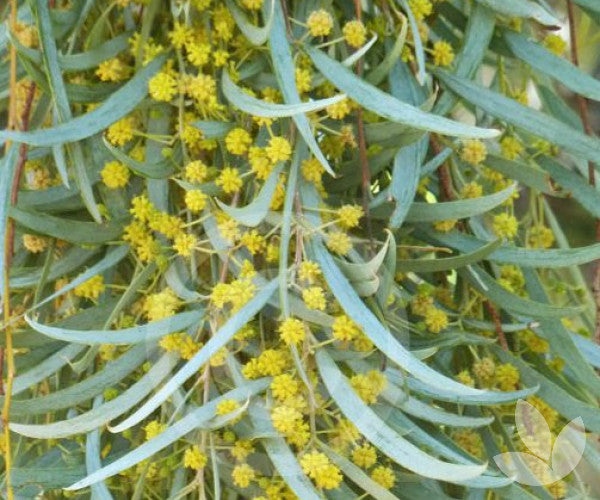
(71, 396)
(405, 179)
(487, 285)
(63, 109)
(256, 107)
(112, 257)
(560, 340)
(119, 104)
(557, 67)
(196, 419)
(160, 169)
(522, 172)
(385, 105)
(508, 254)
(92, 459)
(460, 209)
(134, 335)
(358, 476)
(212, 129)
(45, 368)
(446, 264)
(220, 338)
(380, 336)
(254, 34)
(7, 173)
(418, 43)
(383, 437)
(284, 72)
(70, 230)
(282, 456)
(253, 214)
(104, 413)
(566, 404)
(522, 8)
(485, 397)
(586, 195)
(523, 117)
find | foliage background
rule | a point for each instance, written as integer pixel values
(91, 353)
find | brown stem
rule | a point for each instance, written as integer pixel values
(584, 114)
(493, 312)
(362, 146)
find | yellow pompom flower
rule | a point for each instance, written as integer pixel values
(314, 298)
(195, 200)
(555, 44)
(443, 53)
(238, 141)
(90, 289)
(227, 406)
(471, 190)
(319, 23)
(507, 377)
(196, 171)
(445, 226)
(312, 170)
(344, 328)
(115, 175)
(184, 244)
(541, 237)
(505, 225)
(309, 271)
(193, 458)
(355, 33)
(284, 386)
(141, 208)
(285, 419)
(252, 4)
(384, 476)
(121, 132)
(436, 320)
(34, 244)
(339, 242)
(364, 456)
(153, 429)
(162, 87)
(317, 466)
(369, 385)
(243, 475)
(420, 8)
(113, 70)
(349, 215)
(511, 147)
(229, 180)
(291, 331)
(278, 149)
(473, 151)
(161, 305)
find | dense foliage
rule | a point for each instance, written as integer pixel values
(272, 249)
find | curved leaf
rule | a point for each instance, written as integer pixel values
(256, 107)
(119, 104)
(134, 335)
(217, 341)
(255, 35)
(385, 105)
(383, 437)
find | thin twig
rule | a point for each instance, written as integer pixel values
(362, 146)
(584, 114)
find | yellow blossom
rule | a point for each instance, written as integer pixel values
(355, 33)
(161, 305)
(339, 242)
(227, 406)
(505, 225)
(278, 149)
(243, 475)
(91, 289)
(196, 171)
(229, 180)
(193, 458)
(473, 151)
(314, 298)
(384, 476)
(555, 44)
(115, 175)
(364, 456)
(368, 386)
(344, 328)
(443, 54)
(237, 141)
(34, 243)
(349, 215)
(291, 331)
(317, 466)
(162, 87)
(319, 23)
